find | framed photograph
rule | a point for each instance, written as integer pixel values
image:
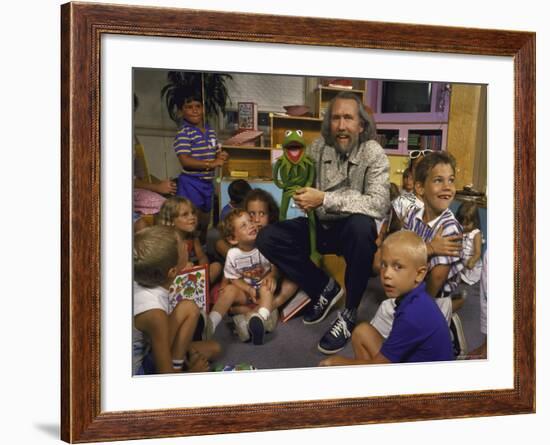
(101, 47)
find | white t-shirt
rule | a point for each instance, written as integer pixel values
(470, 276)
(145, 299)
(251, 266)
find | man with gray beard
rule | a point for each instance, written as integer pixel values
(351, 191)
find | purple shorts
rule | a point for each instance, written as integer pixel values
(196, 190)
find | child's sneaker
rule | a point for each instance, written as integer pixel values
(460, 347)
(271, 322)
(256, 328)
(241, 327)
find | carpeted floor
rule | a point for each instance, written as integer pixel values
(294, 345)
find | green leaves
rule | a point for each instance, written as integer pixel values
(182, 84)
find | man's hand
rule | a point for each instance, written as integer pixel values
(445, 245)
(308, 198)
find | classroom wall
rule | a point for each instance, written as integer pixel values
(467, 134)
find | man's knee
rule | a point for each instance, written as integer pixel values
(265, 237)
(361, 228)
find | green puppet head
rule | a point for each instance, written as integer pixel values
(294, 145)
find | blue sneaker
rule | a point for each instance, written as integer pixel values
(316, 312)
(337, 336)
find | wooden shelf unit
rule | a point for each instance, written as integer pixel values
(324, 94)
(257, 160)
(311, 126)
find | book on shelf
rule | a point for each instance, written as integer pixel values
(294, 305)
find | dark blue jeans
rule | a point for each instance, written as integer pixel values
(286, 244)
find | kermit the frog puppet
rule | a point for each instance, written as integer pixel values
(292, 171)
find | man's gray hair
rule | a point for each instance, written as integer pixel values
(369, 126)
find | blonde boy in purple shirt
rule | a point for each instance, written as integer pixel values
(419, 332)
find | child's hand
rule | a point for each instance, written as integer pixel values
(265, 291)
(470, 263)
(335, 360)
(166, 187)
(446, 245)
(221, 157)
(252, 293)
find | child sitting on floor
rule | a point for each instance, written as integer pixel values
(162, 338)
(180, 213)
(263, 210)
(419, 332)
(252, 280)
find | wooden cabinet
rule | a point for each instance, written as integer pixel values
(400, 139)
(311, 126)
(248, 162)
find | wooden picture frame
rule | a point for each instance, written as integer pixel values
(82, 419)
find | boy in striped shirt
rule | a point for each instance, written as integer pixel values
(196, 147)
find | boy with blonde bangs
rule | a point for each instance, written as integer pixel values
(162, 338)
(419, 332)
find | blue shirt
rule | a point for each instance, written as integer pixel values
(419, 332)
(228, 207)
(191, 141)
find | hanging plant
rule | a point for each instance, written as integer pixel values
(182, 84)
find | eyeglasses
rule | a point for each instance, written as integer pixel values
(416, 153)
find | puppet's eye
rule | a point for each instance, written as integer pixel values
(300, 133)
(288, 133)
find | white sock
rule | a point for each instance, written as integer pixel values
(215, 318)
(178, 364)
(264, 312)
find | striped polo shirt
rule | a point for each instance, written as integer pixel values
(427, 231)
(191, 141)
